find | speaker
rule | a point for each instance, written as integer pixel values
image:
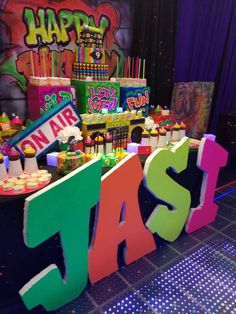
(136, 128)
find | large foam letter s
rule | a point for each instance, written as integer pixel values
(211, 156)
(168, 223)
(63, 207)
(119, 219)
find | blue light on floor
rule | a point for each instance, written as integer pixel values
(224, 194)
(203, 281)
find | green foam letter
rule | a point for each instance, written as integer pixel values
(63, 207)
(168, 223)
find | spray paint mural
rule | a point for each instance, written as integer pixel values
(45, 26)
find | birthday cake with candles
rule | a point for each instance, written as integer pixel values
(90, 55)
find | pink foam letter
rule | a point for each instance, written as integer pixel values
(211, 157)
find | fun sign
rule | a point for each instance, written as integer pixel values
(42, 134)
(51, 211)
(135, 98)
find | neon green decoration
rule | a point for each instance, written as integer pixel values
(168, 223)
(63, 207)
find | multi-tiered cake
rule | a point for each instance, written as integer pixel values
(90, 55)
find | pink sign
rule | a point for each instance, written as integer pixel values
(43, 98)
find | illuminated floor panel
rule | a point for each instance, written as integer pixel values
(195, 274)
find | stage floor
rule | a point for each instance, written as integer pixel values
(195, 274)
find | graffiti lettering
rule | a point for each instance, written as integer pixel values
(46, 26)
(98, 105)
(102, 98)
(138, 102)
(54, 99)
(102, 92)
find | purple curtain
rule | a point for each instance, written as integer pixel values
(206, 49)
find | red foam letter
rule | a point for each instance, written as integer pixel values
(119, 195)
(211, 157)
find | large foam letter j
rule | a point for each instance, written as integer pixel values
(63, 207)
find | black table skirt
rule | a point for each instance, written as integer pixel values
(18, 264)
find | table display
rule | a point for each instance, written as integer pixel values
(118, 176)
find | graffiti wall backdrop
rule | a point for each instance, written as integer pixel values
(54, 26)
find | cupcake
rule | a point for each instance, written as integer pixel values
(18, 188)
(20, 182)
(29, 152)
(23, 176)
(7, 187)
(16, 123)
(42, 171)
(12, 180)
(32, 184)
(13, 155)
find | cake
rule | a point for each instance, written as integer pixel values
(69, 161)
(90, 55)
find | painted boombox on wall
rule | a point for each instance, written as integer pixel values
(130, 128)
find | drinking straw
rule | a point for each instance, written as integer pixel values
(125, 68)
(143, 68)
(136, 67)
(139, 67)
(133, 64)
(52, 63)
(44, 64)
(64, 63)
(117, 66)
(128, 66)
(32, 62)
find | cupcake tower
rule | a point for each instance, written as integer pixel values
(17, 181)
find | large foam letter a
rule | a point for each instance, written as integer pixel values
(119, 219)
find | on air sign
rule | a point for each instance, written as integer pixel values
(42, 134)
